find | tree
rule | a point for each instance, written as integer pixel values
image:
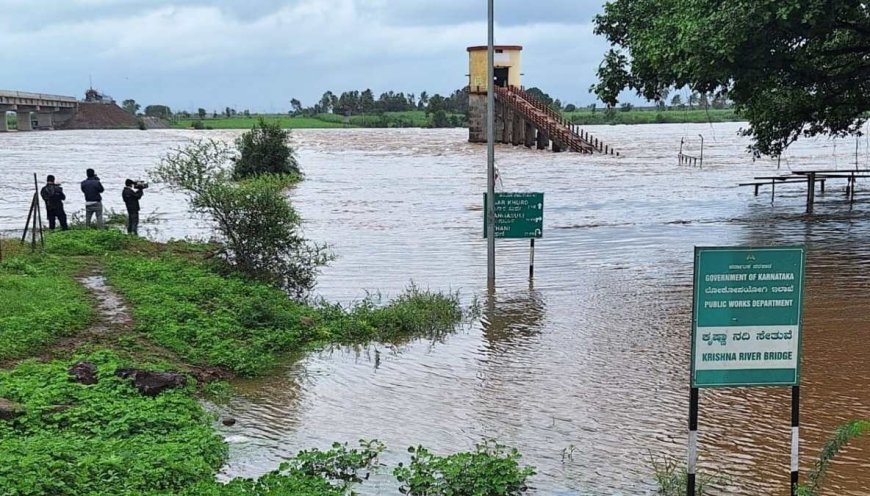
(436, 103)
(626, 107)
(161, 111)
(570, 108)
(131, 106)
(296, 105)
(423, 102)
(254, 221)
(264, 150)
(327, 102)
(201, 112)
(539, 95)
(367, 101)
(440, 119)
(792, 68)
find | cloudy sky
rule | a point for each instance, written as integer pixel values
(258, 54)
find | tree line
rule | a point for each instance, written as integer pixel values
(356, 102)
(347, 103)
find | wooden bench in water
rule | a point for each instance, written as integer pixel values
(810, 178)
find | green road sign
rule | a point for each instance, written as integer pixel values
(748, 305)
(517, 215)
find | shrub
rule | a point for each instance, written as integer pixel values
(491, 470)
(254, 220)
(310, 473)
(264, 150)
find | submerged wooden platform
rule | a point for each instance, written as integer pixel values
(810, 178)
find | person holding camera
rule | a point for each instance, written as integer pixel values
(52, 195)
(132, 193)
(92, 187)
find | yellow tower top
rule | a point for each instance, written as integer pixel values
(507, 67)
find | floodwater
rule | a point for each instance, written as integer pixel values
(585, 368)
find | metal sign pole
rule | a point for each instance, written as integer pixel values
(693, 442)
(532, 258)
(490, 149)
(795, 436)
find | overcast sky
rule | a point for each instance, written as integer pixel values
(258, 54)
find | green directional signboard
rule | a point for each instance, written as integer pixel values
(747, 316)
(517, 215)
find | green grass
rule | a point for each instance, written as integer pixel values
(101, 439)
(197, 309)
(41, 302)
(207, 318)
(225, 321)
(650, 116)
(411, 118)
(286, 122)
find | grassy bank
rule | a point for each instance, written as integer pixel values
(65, 438)
(650, 116)
(419, 118)
(41, 301)
(196, 308)
(415, 118)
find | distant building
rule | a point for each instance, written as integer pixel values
(94, 96)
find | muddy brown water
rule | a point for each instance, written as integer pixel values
(585, 369)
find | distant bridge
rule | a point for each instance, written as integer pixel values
(36, 110)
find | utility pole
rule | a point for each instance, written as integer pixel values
(490, 150)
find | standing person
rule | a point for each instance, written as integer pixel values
(131, 198)
(92, 187)
(52, 195)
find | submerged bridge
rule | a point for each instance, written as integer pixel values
(36, 110)
(520, 118)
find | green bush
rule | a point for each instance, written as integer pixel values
(253, 219)
(41, 302)
(490, 470)
(264, 150)
(415, 313)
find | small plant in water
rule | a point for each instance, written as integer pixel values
(842, 436)
(491, 469)
(671, 477)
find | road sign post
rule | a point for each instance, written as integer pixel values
(517, 216)
(746, 328)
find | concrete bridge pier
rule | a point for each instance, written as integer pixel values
(519, 127)
(24, 123)
(543, 140)
(529, 136)
(4, 123)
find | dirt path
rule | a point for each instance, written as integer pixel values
(113, 327)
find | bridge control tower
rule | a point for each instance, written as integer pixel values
(507, 63)
(520, 119)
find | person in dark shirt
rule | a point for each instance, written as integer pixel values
(132, 194)
(52, 195)
(92, 187)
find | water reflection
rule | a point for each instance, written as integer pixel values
(513, 318)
